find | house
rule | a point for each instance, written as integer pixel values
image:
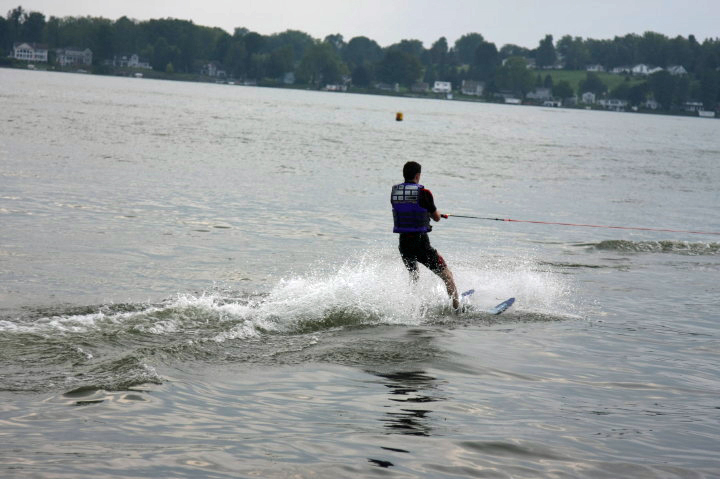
(31, 52)
(388, 86)
(73, 56)
(677, 70)
(213, 69)
(652, 104)
(588, 98)
(129, 61)
(620, 70)
(640, 69)
(613, 104)
(442, 87)
(540, 94)
(472, 87)
(655, 70)
(693, 106)
(420, 87)
(595, 68)
(289, 78)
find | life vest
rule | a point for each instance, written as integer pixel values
(408, 215)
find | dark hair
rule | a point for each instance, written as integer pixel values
(411, 169)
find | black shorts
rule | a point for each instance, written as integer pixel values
(415, 248)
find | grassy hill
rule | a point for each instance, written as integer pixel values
(574, 77)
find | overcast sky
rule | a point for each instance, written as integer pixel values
(522, 22)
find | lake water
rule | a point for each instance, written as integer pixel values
(200, 281)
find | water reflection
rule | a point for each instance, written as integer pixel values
(410, 388)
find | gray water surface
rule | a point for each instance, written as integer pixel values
(201, 281)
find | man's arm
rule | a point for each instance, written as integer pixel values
(427, 201)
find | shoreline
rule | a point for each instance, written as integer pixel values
(196, 78)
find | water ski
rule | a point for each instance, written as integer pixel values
(496, 310)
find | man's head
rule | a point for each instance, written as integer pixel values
(410, 170)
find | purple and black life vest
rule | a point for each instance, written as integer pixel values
(408, 215)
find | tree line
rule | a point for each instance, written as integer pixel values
(180, 46)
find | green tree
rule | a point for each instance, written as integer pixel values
(563, 89)
(486, 61)
(661, 85)
(411, 47)
(638, 94)
(337, 42)
(593, 83)
(33, 24)
(281, 61)
(545, 55)
(710, 89)
(548, 83)
(234, 57)
(511, 50)
(297, 40)
(621, 91)
(515, 76)
(653, 49)
(466, 47)
(124, 36)
(575, 53)
(361, 51)
(362, 76)
(439, 52)
(321, 65)
(398, 66)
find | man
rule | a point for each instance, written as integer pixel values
(413, 206)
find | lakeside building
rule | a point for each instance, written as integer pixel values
(129, 61)
(588, 98)
(540, 94)
(472, 88)
(613, 104)
(595, 68)
(388, 86)
(677, 70)
(30, 52)
(213, 69)
(73, 56)
(442, 87)
(420, 87)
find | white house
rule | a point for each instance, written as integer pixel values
(73, 56)
(130, 61)
(620, 70)
(677, 70)
(640, 69)
(655, 70)
(472, 87)
(540, 94)
(213, 69)
(693, 106)
(613, 104)
(442, 87)
(31, 52)
(595, 68)
(652, 104)
(420, 87)
(588, 98)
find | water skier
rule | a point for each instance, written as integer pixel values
(413, 206)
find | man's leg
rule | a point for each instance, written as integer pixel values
(437, 265)
(447, 277)
(412, 268)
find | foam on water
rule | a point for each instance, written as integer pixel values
(115, 346)
(367, 289)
